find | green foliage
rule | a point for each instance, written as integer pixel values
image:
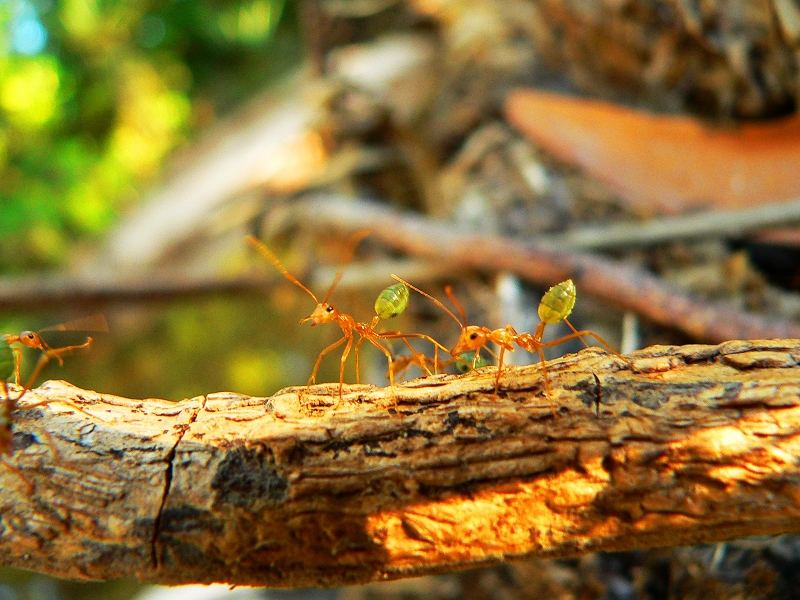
(88, 118)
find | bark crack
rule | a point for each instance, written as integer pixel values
(168, 484)
(305, 490)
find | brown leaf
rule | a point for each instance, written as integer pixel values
(660, 163)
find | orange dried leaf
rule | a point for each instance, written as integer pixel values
(659, 163)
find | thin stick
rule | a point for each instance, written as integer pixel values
(685, 227)
(622, 285)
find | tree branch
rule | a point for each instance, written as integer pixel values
(48, 290)
(623, 285)
(683, 445)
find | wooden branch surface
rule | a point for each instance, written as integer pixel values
(683, 445)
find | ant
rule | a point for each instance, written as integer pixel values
(33, 339)
(390, 301)
(556, 305)
(11, 364)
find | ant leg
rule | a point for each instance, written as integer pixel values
(342, 362)
(322, 355)
(58, 352)
(543, 362)
(404, 336)
(43, 360)
(17, 364)
(606, 346)
(358, 367)
(50, 354)
(500, 356)
(422, 360)
(580, 334)
(375, 341)
(489, 350)
(572, 327)
(589, 333)
(41, 364)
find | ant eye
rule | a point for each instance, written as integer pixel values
(472, 336)
(329, 309)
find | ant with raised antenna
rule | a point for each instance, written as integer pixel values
(556, 305)
(389, 302)
(11, 364)
(34, 339)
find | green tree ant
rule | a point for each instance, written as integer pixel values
(389, 302)
(556, 305)
(11, 365)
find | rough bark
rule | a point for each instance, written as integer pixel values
(676, 445)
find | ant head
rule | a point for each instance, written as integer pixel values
(31, 339)
(472, 338)
(322, 313)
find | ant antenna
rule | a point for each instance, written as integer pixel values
(448, 290)
(95, 322)
(352, 244)
(436, 301)
(267, 253)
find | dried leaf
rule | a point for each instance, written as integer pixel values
(663, 164)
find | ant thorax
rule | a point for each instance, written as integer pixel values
(505, 337)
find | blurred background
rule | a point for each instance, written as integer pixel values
(140, 143)
(96, 97)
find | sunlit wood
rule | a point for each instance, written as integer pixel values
(682, 445)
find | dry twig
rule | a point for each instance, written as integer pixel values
(684, 227)
(57, 290)
(625, 286)
(691, 444)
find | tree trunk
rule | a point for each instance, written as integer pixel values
(675, 445)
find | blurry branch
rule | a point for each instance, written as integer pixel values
(717, 223)
(55, 290)
(619, 284)
(670, 447)
(444, 248)
(48, 291)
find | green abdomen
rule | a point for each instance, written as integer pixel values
(392, 301)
